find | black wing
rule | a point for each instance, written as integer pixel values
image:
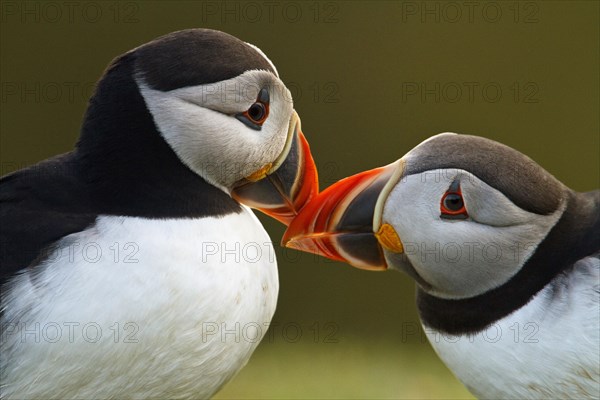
(38, 206)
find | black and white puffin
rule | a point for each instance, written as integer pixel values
(506, 260)
(130, 267)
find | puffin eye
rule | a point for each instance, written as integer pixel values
(453, 202)
(452, 205)
(258, 112)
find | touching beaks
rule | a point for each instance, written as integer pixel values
(344, 222)
(282, 188)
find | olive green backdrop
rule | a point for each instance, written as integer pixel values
(370, 80)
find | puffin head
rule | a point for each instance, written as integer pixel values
(220, 106)
(460, 214)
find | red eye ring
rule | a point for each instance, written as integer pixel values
(452, 205)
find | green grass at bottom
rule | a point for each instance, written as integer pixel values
(351, 368)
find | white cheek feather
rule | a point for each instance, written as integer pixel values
(198, 123)
(169, 309)
(488, 206)
(463, 258)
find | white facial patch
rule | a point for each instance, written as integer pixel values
(199, 123)
(463, 258)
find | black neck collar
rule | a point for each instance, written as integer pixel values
(574, 236)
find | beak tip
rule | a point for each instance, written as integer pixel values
(321, 227)
(287, 241)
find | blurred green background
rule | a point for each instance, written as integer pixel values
(370, 81)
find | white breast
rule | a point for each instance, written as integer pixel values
(548, 349)
(140, 308)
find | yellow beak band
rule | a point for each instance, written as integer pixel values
(259, 174)
(388, 238)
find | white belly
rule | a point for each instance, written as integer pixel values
(548, 349)
(169, 309)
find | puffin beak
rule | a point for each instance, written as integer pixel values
(344, 222)
(282, 188)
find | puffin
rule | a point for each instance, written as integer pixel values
(132, 266)
(505, 258)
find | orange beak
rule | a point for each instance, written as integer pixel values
(282, 188)
(344, 222)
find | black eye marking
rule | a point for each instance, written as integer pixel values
(263, 96)
(257, 113)
(452, 205)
